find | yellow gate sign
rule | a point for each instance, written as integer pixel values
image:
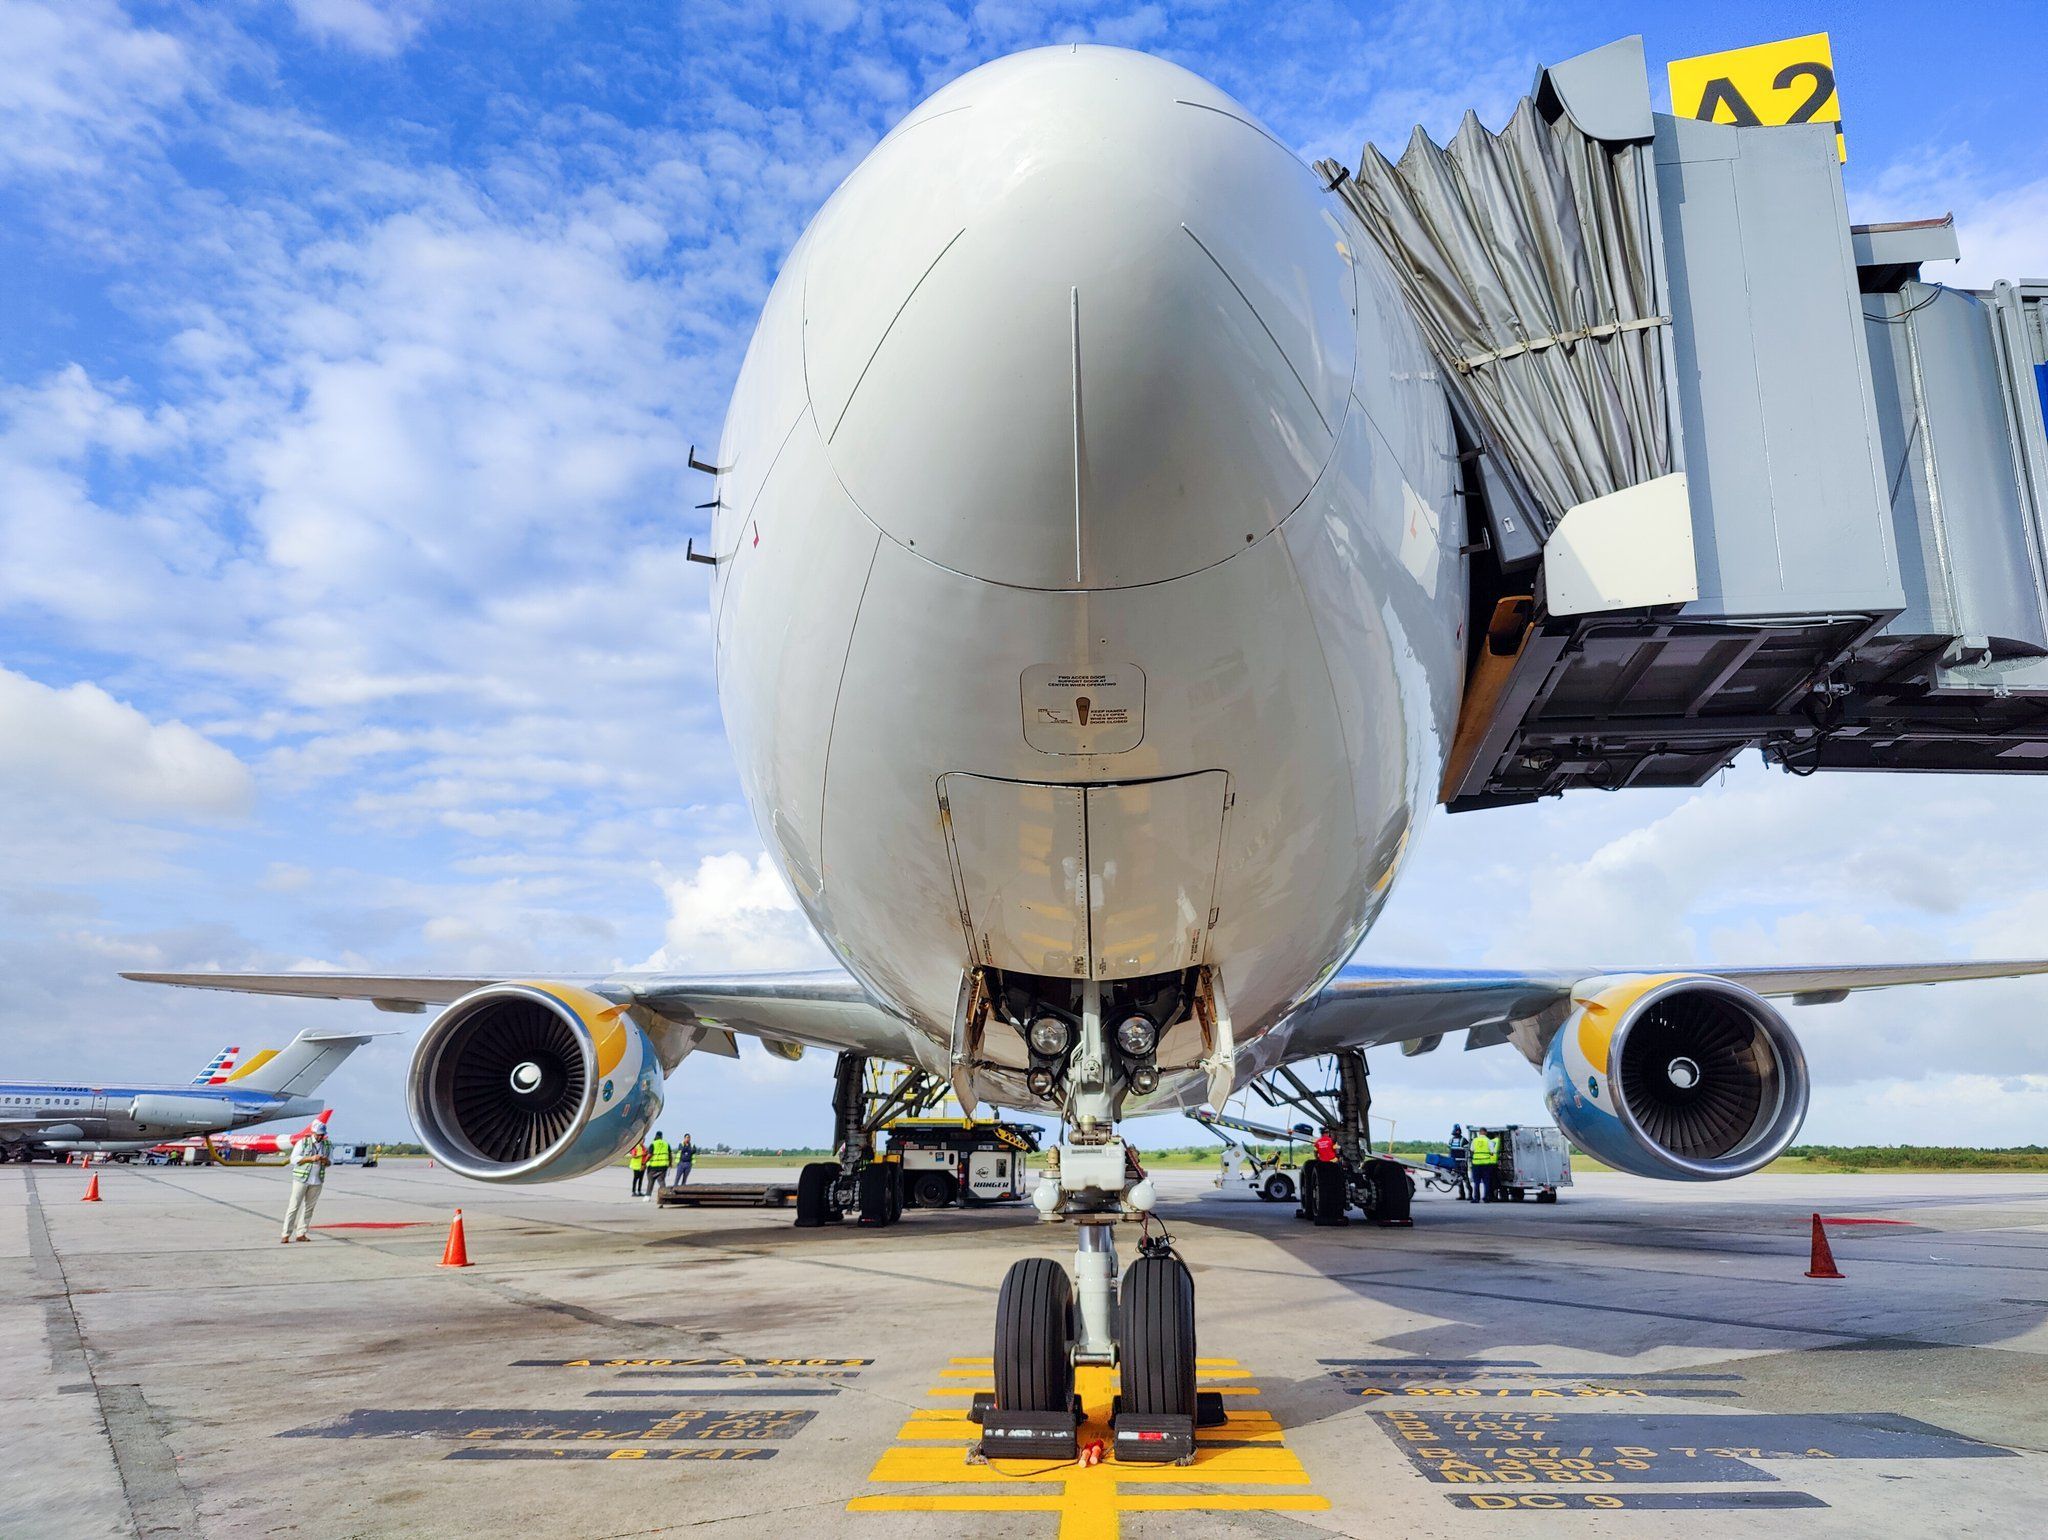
(1773, 83)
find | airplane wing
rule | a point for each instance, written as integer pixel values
(821, 1010)
(1365, 1007)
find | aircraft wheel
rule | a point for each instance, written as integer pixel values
(1034, 1331)
(1325, 1187)
(934, 1189)
(1157, 1307)
(814, 1204)
(898, 1201)
(1277, 1188)
(877, 1184)
(1392, 1192)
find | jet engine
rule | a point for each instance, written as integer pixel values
(187, 1114)
(1678, 1076)
(532, 1082)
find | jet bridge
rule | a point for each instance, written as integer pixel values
(1737, 475)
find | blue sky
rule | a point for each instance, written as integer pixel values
(353, 354)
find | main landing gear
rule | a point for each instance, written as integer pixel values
(1380, 1189)
(857, 1182)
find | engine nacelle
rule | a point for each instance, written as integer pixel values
(187, 1114)
(1680, 1076)
(532, 1082)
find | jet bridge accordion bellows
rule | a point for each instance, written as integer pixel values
(1694, 1071)
(516, 1078)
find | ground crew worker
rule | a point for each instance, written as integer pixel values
(686, 1156)
(659, 1155)
(636, 1162)
(309, 1175)
(1326, 1145)
(1461, 1160)
(1485, 1165)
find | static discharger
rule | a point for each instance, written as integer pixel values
(1238, 1463)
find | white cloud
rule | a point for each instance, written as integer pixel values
(735, 914)
(80, 748)
(76, 79)
(377, 27)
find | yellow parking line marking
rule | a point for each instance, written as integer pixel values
(1244, 1461)
(988, 1387)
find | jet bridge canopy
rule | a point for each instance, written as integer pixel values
(1742, 477)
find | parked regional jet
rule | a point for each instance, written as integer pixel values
(41, 1119)
(1090, 624)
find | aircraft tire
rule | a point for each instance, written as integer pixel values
(814, 1195)
(1278, 1187)
(1393, 1192)
(1034, 1325)
(1326, 1182)
(876, 1183)
(1156, 1306)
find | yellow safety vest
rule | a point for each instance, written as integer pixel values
(659, 1158)
(1485, 1151)
(636, 1158)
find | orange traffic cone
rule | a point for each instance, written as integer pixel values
(1823, 1263)
(92, 1190)
(456, 1254)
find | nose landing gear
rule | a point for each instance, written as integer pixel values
(1046, 1326)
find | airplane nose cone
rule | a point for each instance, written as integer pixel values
(1079, 322)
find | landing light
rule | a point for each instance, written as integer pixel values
(1050, 1036)
(1136, 1036)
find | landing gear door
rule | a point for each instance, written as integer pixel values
(1152, 854)
(1020, 867)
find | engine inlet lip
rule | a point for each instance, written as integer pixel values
(1779, 1123)
(446, 1143)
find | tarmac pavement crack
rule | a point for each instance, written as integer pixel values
(155, 1492)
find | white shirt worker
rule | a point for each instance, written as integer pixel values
(309, 1175)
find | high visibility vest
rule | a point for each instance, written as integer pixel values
(1485, 1150)
(659, 1158)
(305, 1160)
(636, 1158)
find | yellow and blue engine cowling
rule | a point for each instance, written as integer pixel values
(1685, 1077)
(533, 1082)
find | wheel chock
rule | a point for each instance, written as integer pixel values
(1164, 1439)
(1007, 1435)
(1209, 1412)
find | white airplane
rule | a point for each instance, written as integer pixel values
(1090, 628)
(52, 1119)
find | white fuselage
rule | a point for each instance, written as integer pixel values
(1089, 598)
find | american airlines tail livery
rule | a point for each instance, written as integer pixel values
(1091, 621)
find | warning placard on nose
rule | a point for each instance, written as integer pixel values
(1771, 84)
(1084, 709)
